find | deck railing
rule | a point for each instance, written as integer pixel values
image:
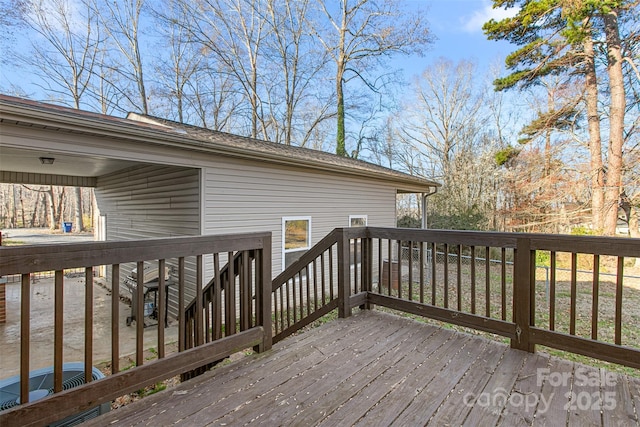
(25, 260)
(492, 282)
(308, 288)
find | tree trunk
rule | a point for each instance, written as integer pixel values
(341, 149)
(595, 142)
(60, 208)
(14, 208)
(22, 213)
(51, 208)
(34, 214)
(616, 122)
(77, 210)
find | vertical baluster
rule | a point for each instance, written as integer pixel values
(331, 273)
(574, 282)
(189, 330)
(595, 297)
(421, 272)
(295, 299)
(459, 277)
(446, 275)
(230, 303)
(288, 304)
(323, 278)
(253, 279)
(140, 314)
(619, 280)
(181, 313)
(434, 272)
(308, 280)
(245, 293)
(217, 298)
(503, 283)
(199, 321)
(274, 302)
(246, 260)
(315, 284)
(390, 269)
(487, 280)
(88, 324)
(552, 292)
(206, 307)
(303, 282)
(282, 307)
(162, 302)
(399, 274)
(473, 279)
(410, 243)
(58, 328)
(115, 318)
(380, 266)
(354, 261)
(25, 331)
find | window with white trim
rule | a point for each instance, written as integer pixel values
(358, 220)
(296, 238)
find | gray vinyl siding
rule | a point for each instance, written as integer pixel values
(242, 196)
(148, 202)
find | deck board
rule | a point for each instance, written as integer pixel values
(376, 368)
(450, 411)
(526, 390)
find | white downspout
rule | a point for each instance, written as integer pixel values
(424, 205)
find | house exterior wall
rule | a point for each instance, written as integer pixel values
(174, 191)
(152, 201)
(238, 196)
(249, 196)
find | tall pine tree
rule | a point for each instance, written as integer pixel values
(557, 38)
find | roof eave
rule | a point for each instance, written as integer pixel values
(152, 133)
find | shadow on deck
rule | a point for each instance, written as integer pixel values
(376, 368)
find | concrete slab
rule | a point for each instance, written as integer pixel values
(43, 236)
(42, 317)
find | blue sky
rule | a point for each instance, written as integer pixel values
(457, 24)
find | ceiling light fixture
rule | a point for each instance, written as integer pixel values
(47, 160)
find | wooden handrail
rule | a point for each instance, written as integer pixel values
(224, 278)
(25, 260)
(350, 267)
(519, 297)
(308, 257)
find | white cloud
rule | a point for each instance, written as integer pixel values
(474, 22)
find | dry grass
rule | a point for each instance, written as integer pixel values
(463, 295)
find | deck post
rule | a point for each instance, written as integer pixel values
(264, 291)
(523, 287)
(344, 270)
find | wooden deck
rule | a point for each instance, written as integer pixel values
(380, 369)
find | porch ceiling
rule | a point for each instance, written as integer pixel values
(28, 161)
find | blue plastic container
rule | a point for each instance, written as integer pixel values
(67, 227)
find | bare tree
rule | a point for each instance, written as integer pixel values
(64, 48)
(445, 123)
(297, 64)
(121, 21)
(362, 33)
(67, 59)
(444, 119)
(231, 33)
(175, 72)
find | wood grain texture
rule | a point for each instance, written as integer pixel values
(376, 368)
